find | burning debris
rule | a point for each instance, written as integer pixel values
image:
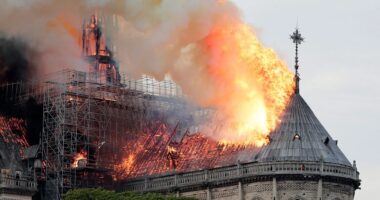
(80, 159)
(156, 152)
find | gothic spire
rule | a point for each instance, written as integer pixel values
(297, 40)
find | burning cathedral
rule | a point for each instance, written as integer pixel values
(300, 162)
(100, 129)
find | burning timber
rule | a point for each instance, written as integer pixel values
(94, 134)
(106, 135)
(98, 129)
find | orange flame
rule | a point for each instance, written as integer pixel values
(127, 163)
(171, 149)
(253, 86)
(82, 155)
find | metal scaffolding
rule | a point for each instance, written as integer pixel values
(98, 121)
(89, 117)
(85, 117)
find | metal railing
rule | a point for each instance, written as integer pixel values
(167, 182)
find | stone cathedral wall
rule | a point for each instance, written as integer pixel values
(286, 190)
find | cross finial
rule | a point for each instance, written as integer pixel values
(297, 39)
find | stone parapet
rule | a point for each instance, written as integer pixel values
(11, 182)
(227, 174)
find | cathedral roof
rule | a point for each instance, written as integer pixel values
(301, 137)
(12, 143)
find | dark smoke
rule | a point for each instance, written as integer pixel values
(33, 117)
(30, 111)
(15, 64)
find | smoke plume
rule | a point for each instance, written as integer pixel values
(15, 64)
(202, 44)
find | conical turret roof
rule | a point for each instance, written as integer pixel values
(301, 137)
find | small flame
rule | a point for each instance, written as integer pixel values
(82, 155)
(171, 149)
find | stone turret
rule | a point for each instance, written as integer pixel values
(306, 161)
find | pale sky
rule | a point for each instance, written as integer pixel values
(339, 68)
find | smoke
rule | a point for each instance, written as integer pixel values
(202, 44)
(41, 26)
(165, 37)
(215, 57)
(15, 66)
(152, 38)
(14, 61)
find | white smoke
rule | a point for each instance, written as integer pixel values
(161, 37)
(155, 37)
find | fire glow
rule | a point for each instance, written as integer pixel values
(155, 152)
(253, 85)
(80, 156)
(249, 84)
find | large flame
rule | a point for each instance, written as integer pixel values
(253, 85)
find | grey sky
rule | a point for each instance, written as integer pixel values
(339, 69)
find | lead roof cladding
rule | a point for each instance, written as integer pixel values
(301, 137)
